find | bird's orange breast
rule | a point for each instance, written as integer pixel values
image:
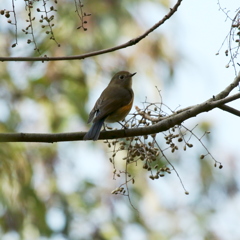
(120, 113)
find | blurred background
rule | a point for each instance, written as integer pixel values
(62, 191)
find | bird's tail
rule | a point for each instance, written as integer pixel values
(94, 131)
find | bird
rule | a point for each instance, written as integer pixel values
(113, 105)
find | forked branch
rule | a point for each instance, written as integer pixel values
(161, 125)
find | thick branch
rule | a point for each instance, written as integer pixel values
(103, 51)
(230, 110)
(229, 88)
(171, 121)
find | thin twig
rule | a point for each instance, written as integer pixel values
(200, 140)
(174, 169)
(15, 21)
(103, 51)
(30, 20)
(48, 20)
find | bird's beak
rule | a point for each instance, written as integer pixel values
(132, 74)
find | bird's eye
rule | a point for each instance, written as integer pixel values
(121, 77)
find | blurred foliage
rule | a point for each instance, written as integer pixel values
(53, 97)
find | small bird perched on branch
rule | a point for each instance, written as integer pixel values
(113, 105)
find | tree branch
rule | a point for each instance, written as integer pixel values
(229, 88)
(171, 121)
(230, 110)
(103, 51)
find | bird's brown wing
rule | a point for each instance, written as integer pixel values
(111, 99)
